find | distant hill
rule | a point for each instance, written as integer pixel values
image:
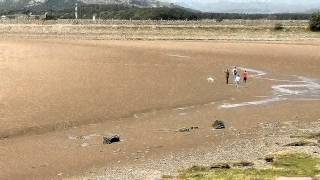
(10, 5)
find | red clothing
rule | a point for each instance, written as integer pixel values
(245, 74)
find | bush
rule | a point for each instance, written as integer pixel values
(315, 22)
(219, 19)
(50, 16)
(278, 27)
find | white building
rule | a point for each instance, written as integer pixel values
(106, 1)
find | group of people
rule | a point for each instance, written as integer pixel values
(236, 76)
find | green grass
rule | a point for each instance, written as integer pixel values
(289, 165)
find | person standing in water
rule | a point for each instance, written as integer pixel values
(227, 75)
(235, 72)
(245, 76)
(237, 80)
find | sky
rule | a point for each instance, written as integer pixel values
(250, 5)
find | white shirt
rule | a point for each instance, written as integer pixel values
(234, 71)
(238, 78)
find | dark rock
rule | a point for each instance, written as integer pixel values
(184, 129)
(220, 166)
(111, 139)
(243, 164)
(218, 125)
(269, 158)
(198, 168)
(302, 143)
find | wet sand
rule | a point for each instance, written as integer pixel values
(59, 97)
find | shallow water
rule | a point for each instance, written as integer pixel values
(303, 88)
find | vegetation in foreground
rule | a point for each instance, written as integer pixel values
(315, 22)
(287, 165)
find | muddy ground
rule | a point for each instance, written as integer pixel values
(59, 97)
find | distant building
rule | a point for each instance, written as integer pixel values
(105, 1)
(137, 3)
(3, 17)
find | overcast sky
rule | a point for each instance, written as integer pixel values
(273, 1)
(253, 5)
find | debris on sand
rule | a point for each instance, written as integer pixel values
(184, 129)
(111, 139)
(218, 125)
(210, 79)
(302, 143)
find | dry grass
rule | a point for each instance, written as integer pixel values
(161, 30)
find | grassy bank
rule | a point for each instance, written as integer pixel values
(164, 30)
(285, 164)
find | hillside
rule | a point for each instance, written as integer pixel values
(12, 5)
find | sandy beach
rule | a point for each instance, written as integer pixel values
(59, 98)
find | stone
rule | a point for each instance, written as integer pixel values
(302, 143)
(111, 139)
(220, 166)
(194, 127)
(269, 158)
(184, 129)
(218, 125)
(243, 164)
